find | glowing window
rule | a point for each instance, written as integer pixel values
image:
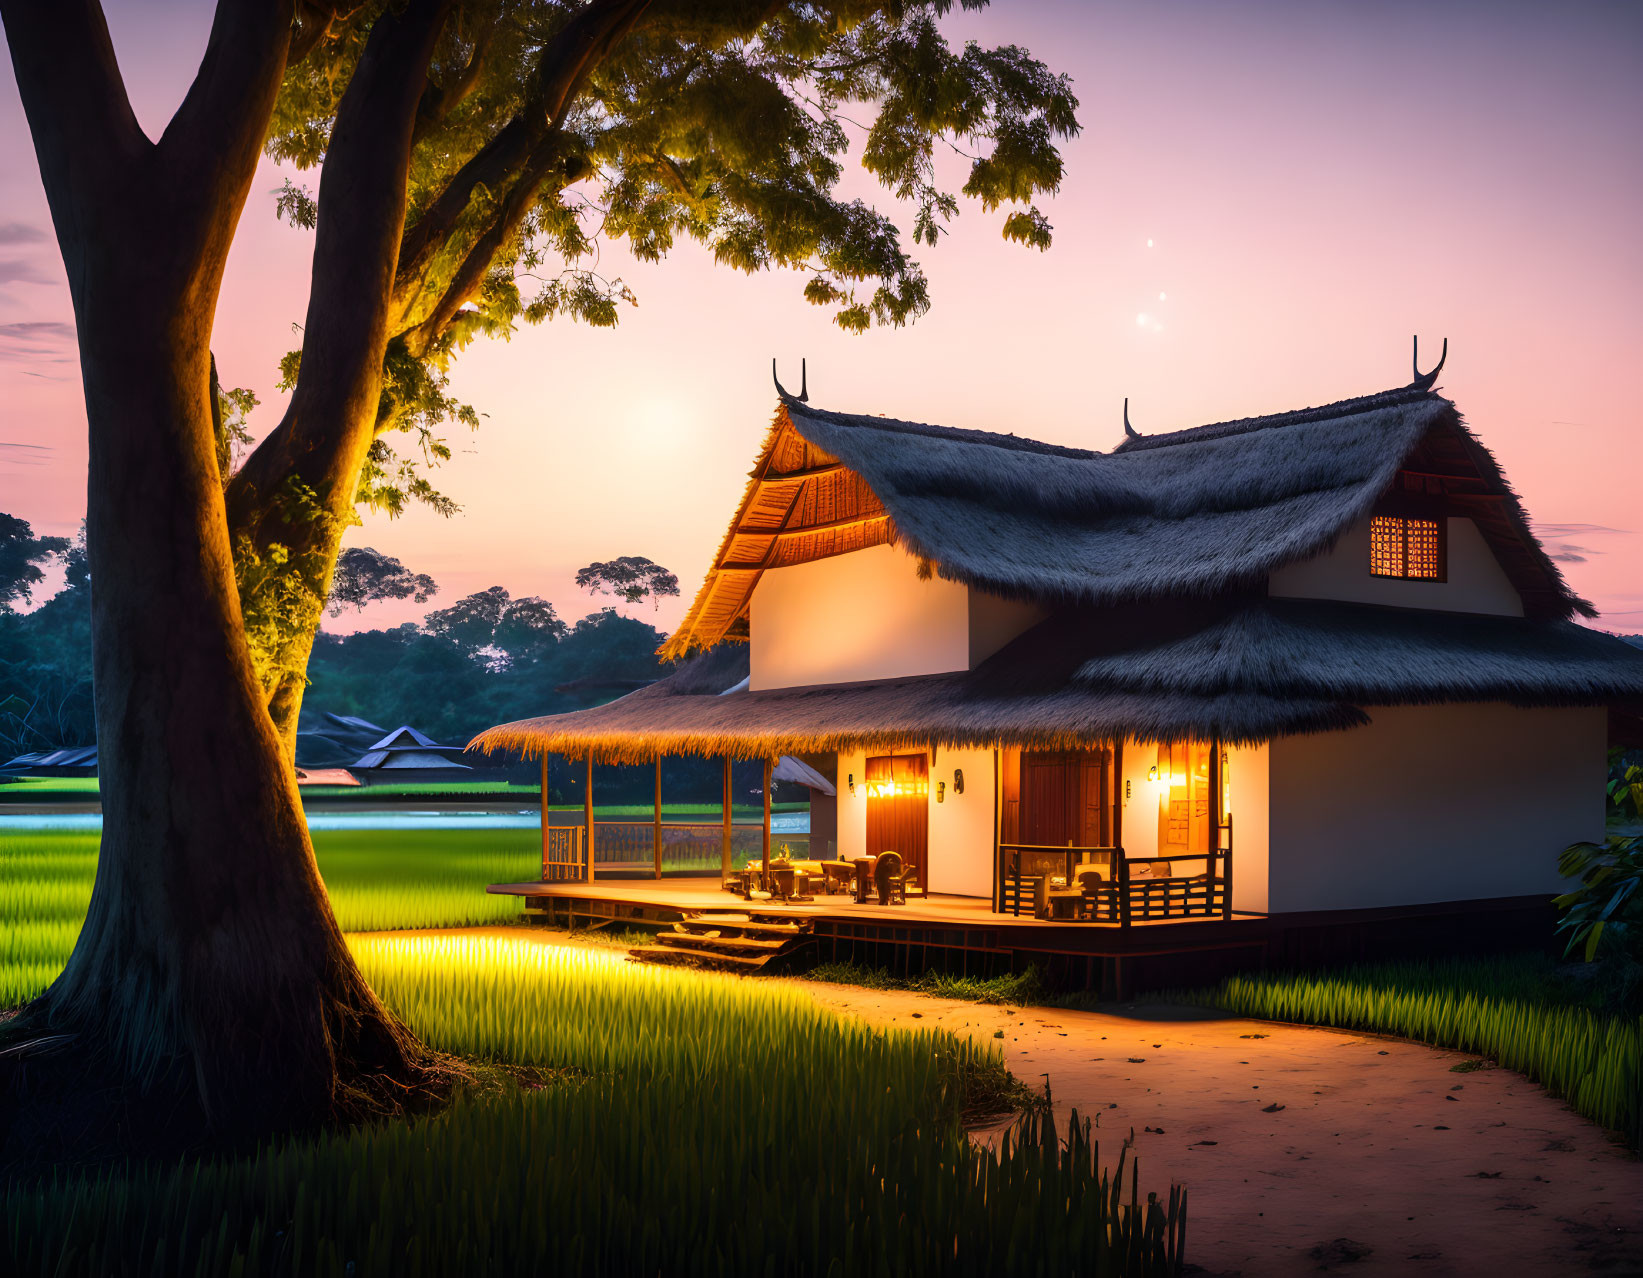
(1403, 547)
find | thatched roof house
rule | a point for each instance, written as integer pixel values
(1358, 574)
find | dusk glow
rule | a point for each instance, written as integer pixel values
(1266, 201)
(1000, 734)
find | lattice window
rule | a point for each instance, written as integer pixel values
(1400, 546)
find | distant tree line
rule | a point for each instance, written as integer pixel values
(485, 659)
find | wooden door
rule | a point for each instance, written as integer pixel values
(1066, 798)
(898, 809)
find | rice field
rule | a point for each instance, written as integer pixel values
(378, 880)
(691, 1127)
(1513, 1010)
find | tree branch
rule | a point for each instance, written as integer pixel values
(560, 72)
(213, 142)
(361, 218)
(86, 136)
(438, 101)
(477, 263)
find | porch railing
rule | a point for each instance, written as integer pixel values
(1128, 890)
(687, 846)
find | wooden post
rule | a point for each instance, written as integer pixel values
(547, 818)
(1226, 906)
(1212, 864)
(766, 844)
(587, 813)
(1118, 793)
(656, 837)
(998, 833)
(1122, 877)
(724, 845)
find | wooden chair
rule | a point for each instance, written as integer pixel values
(891, 879)
(837, 876)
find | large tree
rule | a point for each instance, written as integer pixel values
(470, 153)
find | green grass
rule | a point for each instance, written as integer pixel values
(21, 789)
(683, 1125)
(1522, 1011)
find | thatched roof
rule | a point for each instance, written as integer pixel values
(1243, 669)
(1193, 513)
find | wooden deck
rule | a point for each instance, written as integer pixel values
(962, 934)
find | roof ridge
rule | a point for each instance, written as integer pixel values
(1410, 394)
(997, 439)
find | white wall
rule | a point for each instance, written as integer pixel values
(960, 851)
(852, 808)
(1249, 788)
(961, 825)
(1476, 581)
(1432, 803)
(1140, 832)
(866, 615)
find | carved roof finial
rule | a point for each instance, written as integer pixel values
(1128, 429)
(1426, 380)
(804, 382)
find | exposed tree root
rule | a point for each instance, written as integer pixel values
(66, 1102)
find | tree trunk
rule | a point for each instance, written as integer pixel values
(210, 958)
(210, 997)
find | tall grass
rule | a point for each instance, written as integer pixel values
(698, 1127)
(1515, 1011)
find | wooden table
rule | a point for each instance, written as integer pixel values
(1064, 904)
(864, 876)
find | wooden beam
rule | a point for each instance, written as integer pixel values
(804, 530)
(587, 813)
(724, 846)
(547, 818)
(831, 468)
(656, 831)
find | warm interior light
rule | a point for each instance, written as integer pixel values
(892, 789)
(1152, 774)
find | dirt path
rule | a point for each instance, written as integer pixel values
(1375, 1141)
(1372, 1140)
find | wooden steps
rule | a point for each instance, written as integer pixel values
(732, 941)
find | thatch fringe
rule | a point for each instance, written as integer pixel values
(1244, 669)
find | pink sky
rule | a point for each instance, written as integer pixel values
(1318, 181)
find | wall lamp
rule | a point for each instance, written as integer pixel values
(958, 780)
(850, 780)
(941, 791)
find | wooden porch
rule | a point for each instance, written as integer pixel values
(1058, 849)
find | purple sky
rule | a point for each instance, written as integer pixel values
(1317, 181)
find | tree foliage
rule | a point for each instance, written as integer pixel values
(364, 576)
(497, 630)
(1605, 913)
(632, 578)
(21, 556)
(548, 128)
(45, 664)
